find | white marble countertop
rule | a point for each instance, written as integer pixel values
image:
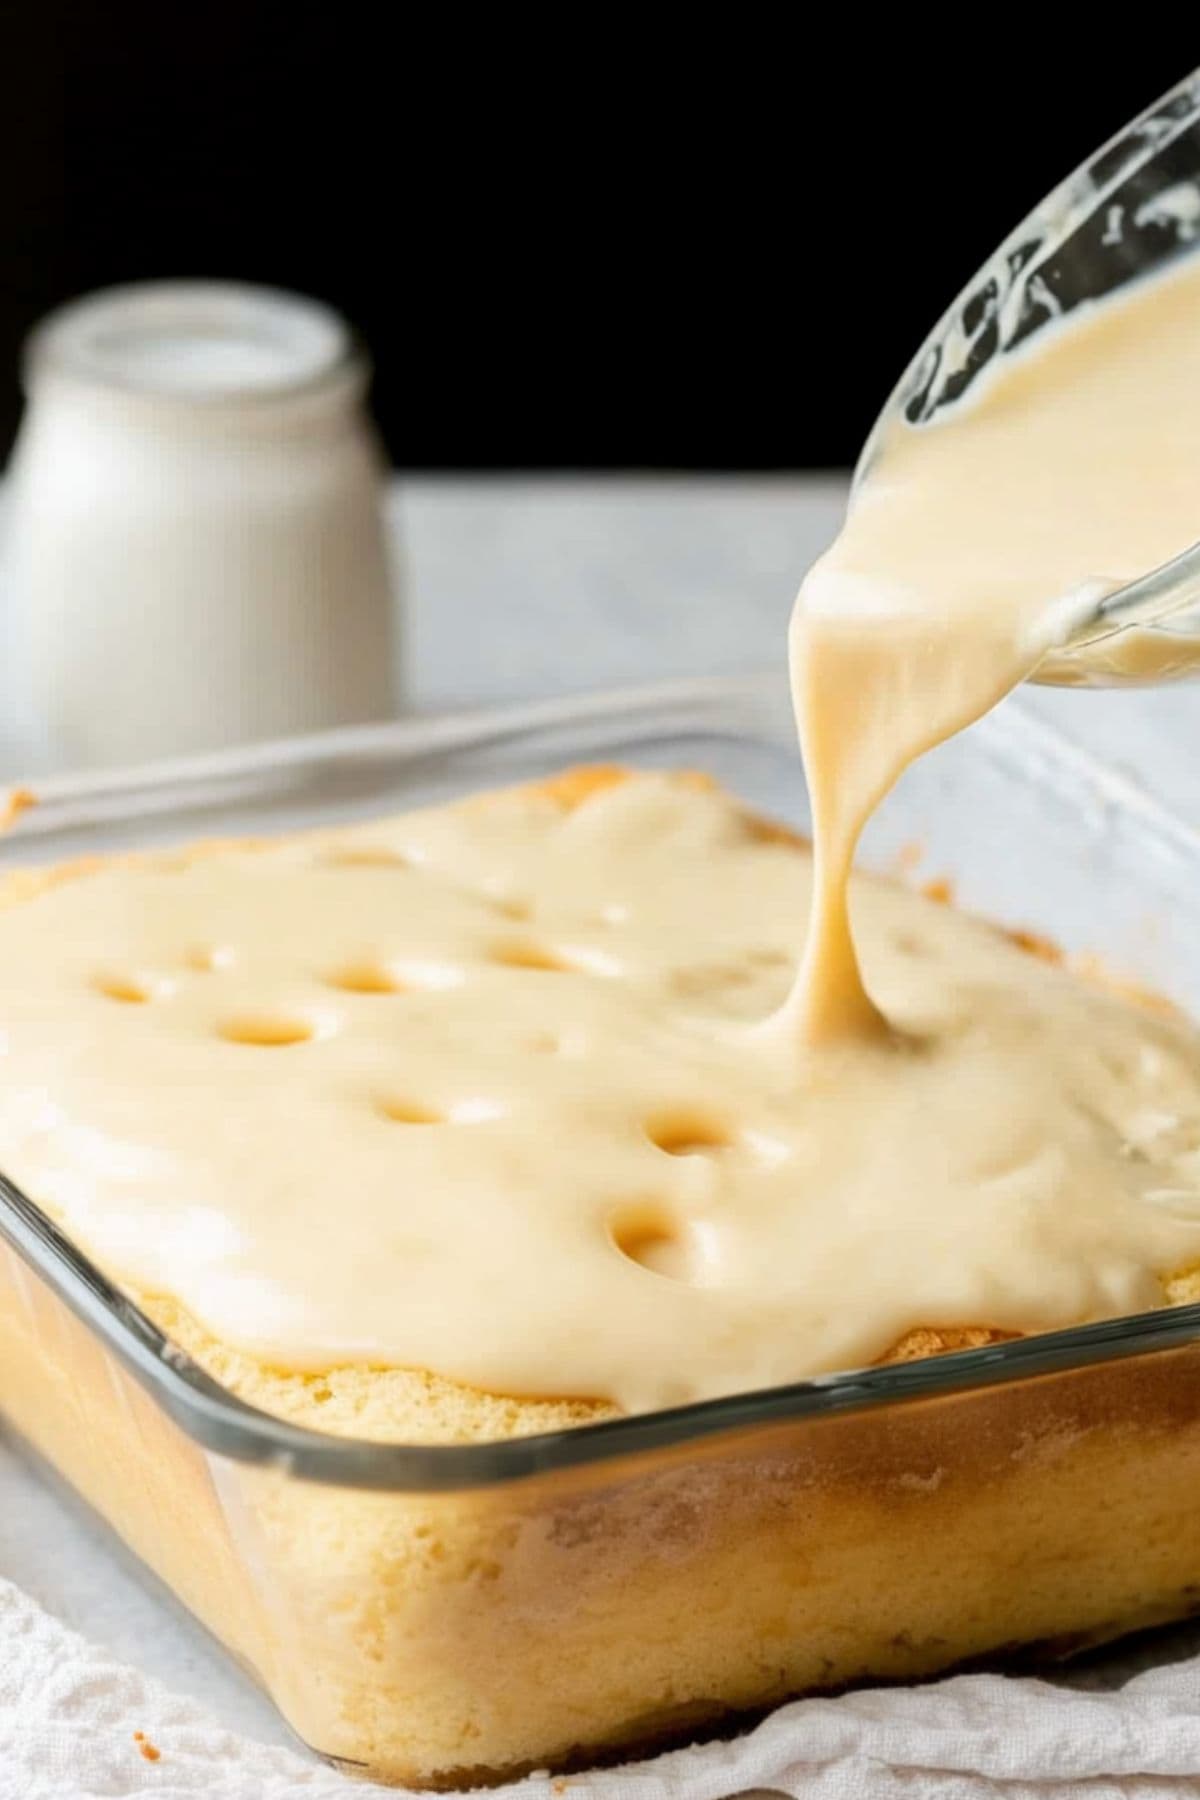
(526, 588)
(530, 587)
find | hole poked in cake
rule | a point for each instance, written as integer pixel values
(689, 1131)
(649, 1233)
(379, 975)
(270, 1031)
(528, 953)
(401, 1110)
(129, 990)
(366, 975)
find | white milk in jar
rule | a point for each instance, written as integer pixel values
(196, 552)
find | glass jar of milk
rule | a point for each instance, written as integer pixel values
(196, 551)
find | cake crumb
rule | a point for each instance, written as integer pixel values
(560, 1786)
(1034, 944)
(150, 1751)
(941, 889)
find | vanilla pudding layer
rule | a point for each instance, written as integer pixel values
(485, 1092)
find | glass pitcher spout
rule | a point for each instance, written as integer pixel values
(1131, 211)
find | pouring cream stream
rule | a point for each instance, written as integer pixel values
(972, 547)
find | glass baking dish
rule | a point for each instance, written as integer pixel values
(445, 1615)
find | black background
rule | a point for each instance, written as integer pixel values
(575, 239)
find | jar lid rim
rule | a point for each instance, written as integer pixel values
(198, 342)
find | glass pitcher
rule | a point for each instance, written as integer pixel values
(1129, 211)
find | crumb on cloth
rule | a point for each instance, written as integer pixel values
(150, 1751)
(13, 804)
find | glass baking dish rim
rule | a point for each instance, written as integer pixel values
(220, 1421)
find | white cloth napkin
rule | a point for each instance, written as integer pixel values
(69, 1714)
